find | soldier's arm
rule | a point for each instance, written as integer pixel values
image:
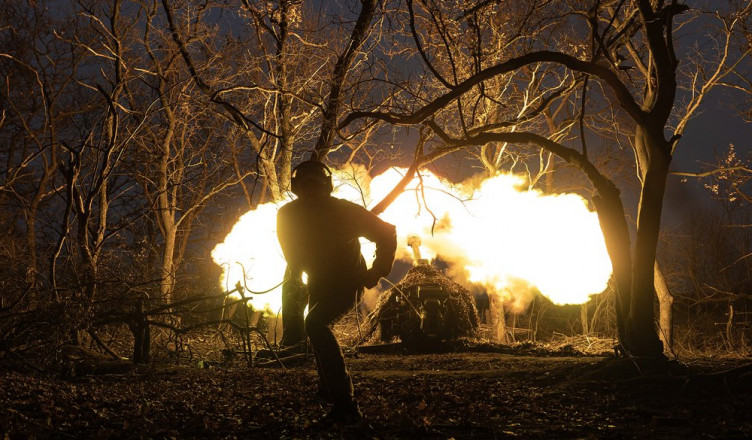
(384, 235)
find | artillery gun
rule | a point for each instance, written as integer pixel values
(425, 307)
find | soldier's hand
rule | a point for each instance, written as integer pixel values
(370, 278)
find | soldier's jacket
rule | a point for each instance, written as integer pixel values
(319, 236)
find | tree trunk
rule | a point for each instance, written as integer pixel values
(616, 235)
(498, 318)
(730, 327)
(653, 161)
(284, 117)
(337, 84)
(86, 256)
(584, 319)
(270, 180)
(665, 307)
(50, 168)
(167, 271)
(141, 336)
(166, 204)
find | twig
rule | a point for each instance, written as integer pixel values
(103, 346)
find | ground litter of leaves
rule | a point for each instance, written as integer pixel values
(461, 395)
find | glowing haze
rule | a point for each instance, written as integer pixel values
(496, 233)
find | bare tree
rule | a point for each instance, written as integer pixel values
(185, 155)
(37, 84)
(298, 69)
(629, 50)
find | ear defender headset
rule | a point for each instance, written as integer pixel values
(311, 173)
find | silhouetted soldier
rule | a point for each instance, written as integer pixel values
(319, 236)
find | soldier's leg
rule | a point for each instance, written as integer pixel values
(330, 361)
(294, 300)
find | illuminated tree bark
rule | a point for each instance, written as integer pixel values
(665, 309)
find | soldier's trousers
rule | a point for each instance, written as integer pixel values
(325, 308)
(294, 301)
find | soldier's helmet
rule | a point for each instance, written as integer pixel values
(311, 176)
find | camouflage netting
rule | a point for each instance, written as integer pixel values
(398, 308)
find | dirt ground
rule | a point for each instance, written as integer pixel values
(474, 394)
